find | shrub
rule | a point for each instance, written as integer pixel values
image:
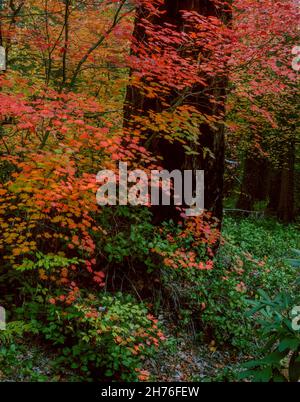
(214, 293)
(276, 316)
(100, 336)
(281, 352)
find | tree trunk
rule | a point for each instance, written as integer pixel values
(274, 185)
(285, 211)
(210, 146)
(255, 182)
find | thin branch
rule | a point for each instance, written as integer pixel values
(116, 20)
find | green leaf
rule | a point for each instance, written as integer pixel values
(253, 363)
(274, 357)
(293, 262)
(263, 375)
(288, 343)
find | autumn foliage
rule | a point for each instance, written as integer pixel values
(89, 84)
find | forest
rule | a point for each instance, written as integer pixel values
(107, 275)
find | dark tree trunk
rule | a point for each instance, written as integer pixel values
(285, 210)
(273, 187)
(210, 149)
(282, 184)
(254, 183)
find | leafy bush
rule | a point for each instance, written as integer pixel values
(14, 330)
(251, 257)
(130, 237)
(281, 353)
(276, 316)
(215, 300)
(103, 336)
(19, 364)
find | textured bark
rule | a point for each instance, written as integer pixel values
(174, 155)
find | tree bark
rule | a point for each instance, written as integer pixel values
(210, 149)
(285, 210)
(254, 183)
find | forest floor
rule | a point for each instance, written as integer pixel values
(195, 361)
(190, 361)
(186, 357)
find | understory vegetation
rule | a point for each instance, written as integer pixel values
(114, 335)
(101, 280)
